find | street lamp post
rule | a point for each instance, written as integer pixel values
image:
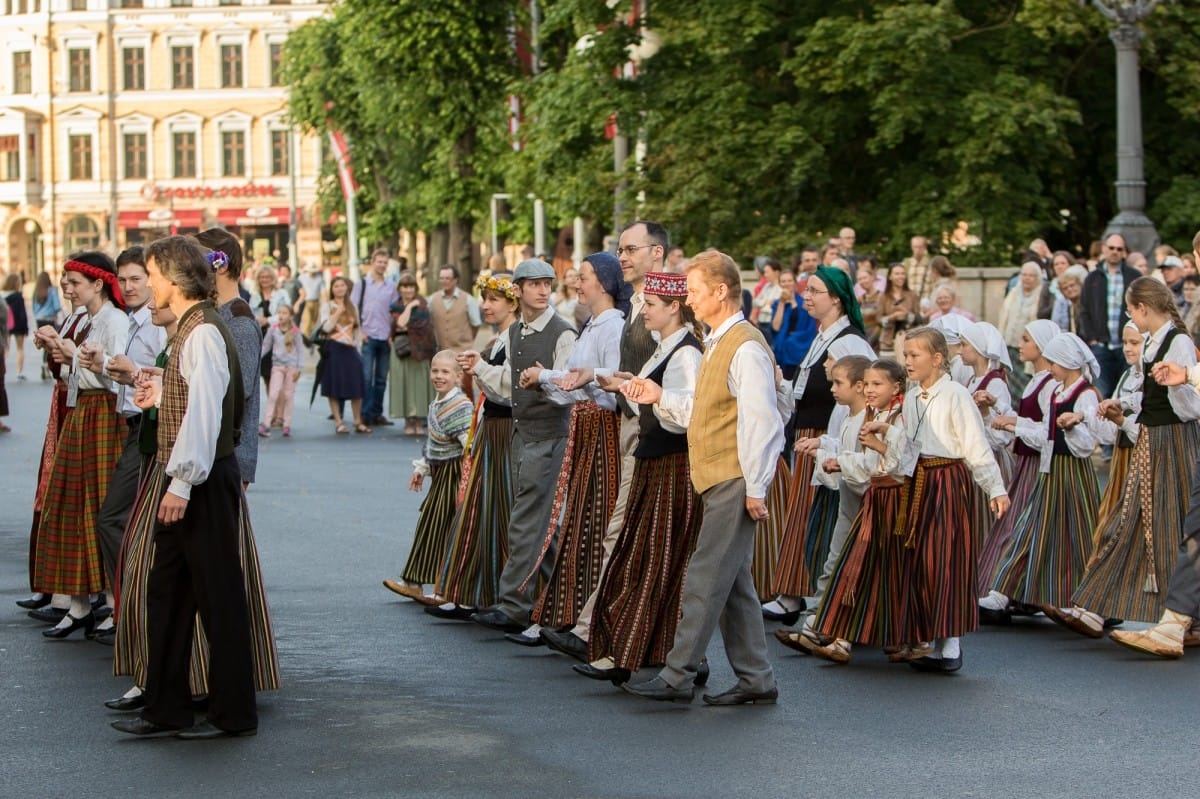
(1131, 220)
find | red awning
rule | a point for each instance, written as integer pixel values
(160, 219)
(252, 217)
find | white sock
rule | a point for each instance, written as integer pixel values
(604, 664)
(447, 606)
(994, 601)
(949, 648)
(60, 601)
(533, 631)
(36, 596)
(132, 693)
(789, 603)
(107, 624)
(80, 606)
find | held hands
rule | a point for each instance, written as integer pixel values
(869, 436)
(530, 376)
(807, 446)
(576, 377)
(416, 481)
(121, 369)
(831, 465)
(1000, 505)
(91, 357)
(1169, 374)
(614, 381)
(642, 391)
(1111, 410)
(1008, 423)
(756, 509)
(171, 509)
(148, 381)
(467, 360)
(983, 400)
(46, 338)
(1066, 421)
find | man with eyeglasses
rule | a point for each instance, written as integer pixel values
(1102, 314)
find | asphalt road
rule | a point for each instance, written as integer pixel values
(380, 700)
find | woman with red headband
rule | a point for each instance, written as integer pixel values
(67, 560)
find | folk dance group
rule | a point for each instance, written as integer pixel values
(611, 496)
(141, 535)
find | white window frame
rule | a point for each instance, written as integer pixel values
(82, 121)
(185, 123)
(241, 38)
(136, 123)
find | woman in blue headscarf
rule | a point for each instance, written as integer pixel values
(591, 470)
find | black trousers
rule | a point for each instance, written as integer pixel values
(118, 502)
(197, 568)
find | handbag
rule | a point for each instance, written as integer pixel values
(402, 345)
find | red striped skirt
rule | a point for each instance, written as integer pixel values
(67, 559)
(792, 575)
(770, 532)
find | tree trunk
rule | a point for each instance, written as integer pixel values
(437, 253)
(462, 251)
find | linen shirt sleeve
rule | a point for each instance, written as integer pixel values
(1185, 401)
(998, 439)
(679, 378)
(205, 368)
(759, 432)
(968, 427)
(495, 379)
(1083, 438)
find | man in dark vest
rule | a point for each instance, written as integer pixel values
(642, 248)
(540, 430)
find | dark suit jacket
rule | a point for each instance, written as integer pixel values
(1093, 303)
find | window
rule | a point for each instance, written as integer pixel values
(10, 166)
(79, 5)
(233, 153)
(80, 146)
(31, 150)
(135, 156)
(79, 67)
(230, 3)
(22, 72)
(183, 67)
(184, 144)
(131, 4)
(134, 59)
(231, 65)
(280, 160)
(181, 3)
(81, 233)
(276, 66)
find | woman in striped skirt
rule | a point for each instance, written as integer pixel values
(945, 433)
(638, 604)
(60, 347)
(985, 355)
(769, 532)
(591, 469)
(1122, 410)
(1029, 438)
(1052, 536)
(67, 560)
(449, 421)
(470, 576)
(1136, 551)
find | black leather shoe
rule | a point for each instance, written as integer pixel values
(126, 704)
(457, 612)
(788, 619)
(567, 643)
(996, 617)
(938, 665)
(48, 615)
(702, 672)
(521, 639)
(102, 612)
(497, 620)
(105, 637)
(207, 731)
(99, 601)
(1111, 623)
(659, 690)
(145, 729)
(87, 624)
(34, 604)
(616, 676)
(736, 696)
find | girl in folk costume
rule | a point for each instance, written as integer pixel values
(286, 347)
(812, 509)
(946, 448)
(60, 348)
(1027, 422)
(478, 545)
(1122, 410)
(449, 421)
(637, 607)
(983, 352)
(591, 470)
(67, 559)
(1052, 536)
(868, 597)
(1135, 552)
(952, 327)
(130, 649)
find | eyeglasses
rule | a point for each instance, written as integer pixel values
(809, 290)
(1114, 249)
(632, 248)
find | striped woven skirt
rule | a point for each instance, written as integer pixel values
(1131, 566)
(1024, 476)
(54, 425)
(67, 559)
(131, 648)
(584, 500)
(939, 532)
(770, 532)
(982, 517)
(792, 574)
(869, 595)
(638, 605)
(478, 546)
(1052, 536)
(1110, 500)
(432, 535)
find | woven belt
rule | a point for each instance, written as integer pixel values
(909, 513)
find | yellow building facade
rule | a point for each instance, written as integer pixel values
(122, 121)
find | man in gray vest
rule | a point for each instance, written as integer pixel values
(643, 248)
(540, 430)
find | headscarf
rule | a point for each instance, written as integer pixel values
(96, 273)
(849, 345)
(839, 285)
(1043, 331)
(1070, 352)
(987, 341)
(952, 326)
(608, 273)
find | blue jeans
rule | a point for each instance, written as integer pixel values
(1112, 364)
(375, 353)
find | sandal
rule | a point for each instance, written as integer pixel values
(341, 429)
(359, 427)
(837, 652)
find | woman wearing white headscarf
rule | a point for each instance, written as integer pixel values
(984, 354)
(1029, 426)
(1051, 540)
(1021, 308)
(952, 326)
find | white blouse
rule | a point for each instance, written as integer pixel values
(1083, 438)
(1129, 393)
(943, 422)
(598, 345)
(495, 379)
(110, 329)
(857, 464)
(680, 374)
(998, 439)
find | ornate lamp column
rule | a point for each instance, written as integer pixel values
(1131, 220)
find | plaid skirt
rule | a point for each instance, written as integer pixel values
(54, 424)
(67, 558)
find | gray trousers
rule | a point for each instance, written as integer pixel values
(535, 468)
(630, 429)
(849, 504)
(719, 589)
(118, 503)
(1183, 591)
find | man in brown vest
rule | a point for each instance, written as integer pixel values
(455, 313)
(734, 432)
